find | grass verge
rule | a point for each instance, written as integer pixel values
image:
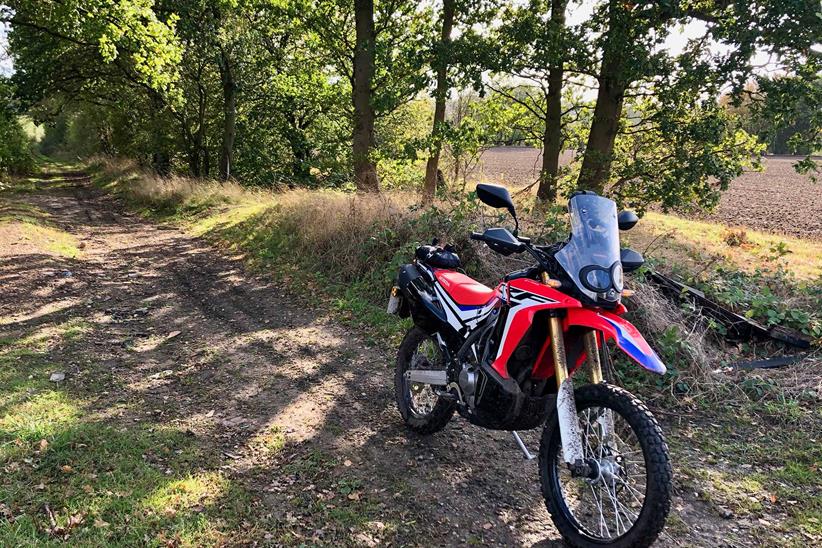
(69, 475)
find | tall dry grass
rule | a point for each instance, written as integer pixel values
(356, 242)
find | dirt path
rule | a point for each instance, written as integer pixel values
(284, 401)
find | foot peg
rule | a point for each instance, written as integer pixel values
(525, 453)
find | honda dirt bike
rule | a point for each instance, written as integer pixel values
(504, 359)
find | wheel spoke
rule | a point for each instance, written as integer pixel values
(610, 514)
(422, 397)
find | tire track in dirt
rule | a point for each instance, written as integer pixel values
(192, 341)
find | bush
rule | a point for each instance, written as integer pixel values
(15, 144)
(15, 152)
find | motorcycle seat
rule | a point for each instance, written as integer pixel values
(464, 290)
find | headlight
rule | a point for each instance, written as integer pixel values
(597, 279)
(617, 276)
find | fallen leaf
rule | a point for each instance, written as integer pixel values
(348, 463)
(354, 496)
(67, 469)
(44, 444)
(488, 526)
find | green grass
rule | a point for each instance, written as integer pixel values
(33, 225)
(693, 244)
(763, 463)
(70, 476)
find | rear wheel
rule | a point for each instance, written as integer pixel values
(422, 409)
(626, 499)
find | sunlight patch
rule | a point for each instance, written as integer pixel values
(197, 490)
(39, 417)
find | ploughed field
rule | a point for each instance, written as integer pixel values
(776, 200)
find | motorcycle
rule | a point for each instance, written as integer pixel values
(505, 359)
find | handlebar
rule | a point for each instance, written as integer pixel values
(477, 236)
(530, 272)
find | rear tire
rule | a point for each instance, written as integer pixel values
(430, 420)
(635, 420)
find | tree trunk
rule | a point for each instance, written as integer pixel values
(552, 138)
(229, 115)
(432, 167)
(596, 165)
(196, 162)
(365, 171)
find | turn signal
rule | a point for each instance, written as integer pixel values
(628, 292)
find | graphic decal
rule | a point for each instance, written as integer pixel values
(633, 344)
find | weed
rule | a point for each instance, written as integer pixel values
(735, 237)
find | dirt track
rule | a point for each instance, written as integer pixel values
(193, 342)
(776, 200)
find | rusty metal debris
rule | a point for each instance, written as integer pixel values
(771, 363)
(738, 327)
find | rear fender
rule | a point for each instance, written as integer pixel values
(627, 337)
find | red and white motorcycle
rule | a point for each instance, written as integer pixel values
(504, 359)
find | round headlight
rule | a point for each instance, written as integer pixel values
(617, 276)
(598, 279)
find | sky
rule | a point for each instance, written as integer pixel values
(6, 67)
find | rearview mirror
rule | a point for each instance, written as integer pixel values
(626, 220)
(631, 260)
(495, 196)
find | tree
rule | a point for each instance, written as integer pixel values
(632, 63)
(440, 95)
(365, 169)
(15, 153)
(383, 49)
(535, 47)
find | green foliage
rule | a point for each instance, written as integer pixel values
(680, 153)
(15, 144)
(266, 87)
(772, 297)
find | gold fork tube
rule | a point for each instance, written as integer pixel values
(592, 351)
(558, 348)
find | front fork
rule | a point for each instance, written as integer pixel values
(572, 449)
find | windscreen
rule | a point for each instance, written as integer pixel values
(591, 256)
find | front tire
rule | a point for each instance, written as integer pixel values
(618, 508)
(423, 411)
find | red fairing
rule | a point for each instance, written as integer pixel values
(464, 290)
(530, 299)
(543, 290)
(626, 336)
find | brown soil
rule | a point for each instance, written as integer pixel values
(192, 341)
(776, 200)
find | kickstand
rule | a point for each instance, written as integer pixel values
(525, 453)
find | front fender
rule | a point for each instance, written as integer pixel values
(627, 337)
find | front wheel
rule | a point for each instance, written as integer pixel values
(626, 497)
